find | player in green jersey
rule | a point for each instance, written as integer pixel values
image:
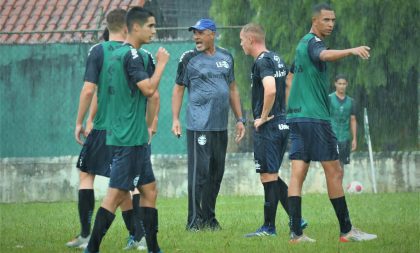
(343, 119)
(128, 133)
(308, 115)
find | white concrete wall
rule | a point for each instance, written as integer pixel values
(52, 179)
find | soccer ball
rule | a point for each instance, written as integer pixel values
(355, 187)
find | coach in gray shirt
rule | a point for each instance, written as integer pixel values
(207, 73)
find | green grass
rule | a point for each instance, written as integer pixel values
(45, 227)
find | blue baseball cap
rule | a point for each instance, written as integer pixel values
(203, 24)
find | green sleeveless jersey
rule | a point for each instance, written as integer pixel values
(340, 116)
(308, 99)
(99, 122)
(127, 104)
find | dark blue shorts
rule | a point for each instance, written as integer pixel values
(344, 152)
(127, 167)
(95, 156)
(148, 176)
(270, 143)
(312, 141)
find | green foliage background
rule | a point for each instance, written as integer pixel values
(387, 84)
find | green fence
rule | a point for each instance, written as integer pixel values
(40, 88)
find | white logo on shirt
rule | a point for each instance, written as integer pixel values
(134, 53)
(222, 64)
(283, 127)
(280, 73)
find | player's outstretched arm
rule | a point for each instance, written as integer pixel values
(177, 95)
(85, 99)
(334, 55)
(149, 86)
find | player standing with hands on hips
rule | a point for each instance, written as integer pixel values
(308, 116)
(271, 133)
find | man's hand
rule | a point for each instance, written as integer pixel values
(260, 121)
(362, 52)
(354, 144)
(77, 132)
(162, 56)
(150, 131)
(240, 131)
(176, 128)
(88, 128)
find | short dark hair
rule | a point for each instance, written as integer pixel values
(316, 9)
(340, 76)
(115, 20)
(137, 15)
(105, 34)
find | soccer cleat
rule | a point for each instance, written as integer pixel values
(303, 223)
(300, 238)
(142, 244)
(356, 235)
(263, 231)
(133, 244)
(195, 226)
(213, 225)
(78, 242)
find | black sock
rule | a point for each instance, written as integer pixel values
(295, 214)
(128, 220)
(342, 212)
(138, 218)
(103, 221)
(271, 202)
(283, 188)
(86, 205)
(151, 227)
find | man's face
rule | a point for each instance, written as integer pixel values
(204, 40)
(341, 86)
(324, 22)
(147, 31)
(246, 42)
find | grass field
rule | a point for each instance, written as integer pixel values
(45, 227)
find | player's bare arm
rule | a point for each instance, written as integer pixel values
(86, 95)
(235, 104)
(289, 79)
(269, 84)
(149, 86)
(93, 108)
(334, 55)
(152, 114)
(353, 126)
(177, 95)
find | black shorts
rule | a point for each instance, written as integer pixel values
(95, 156)
(270, 143)
(312, 141)
(148, 176)
(344, 149)
(127, 167)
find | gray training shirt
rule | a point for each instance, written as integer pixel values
(207, 79)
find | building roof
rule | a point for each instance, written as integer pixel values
(37, 17)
